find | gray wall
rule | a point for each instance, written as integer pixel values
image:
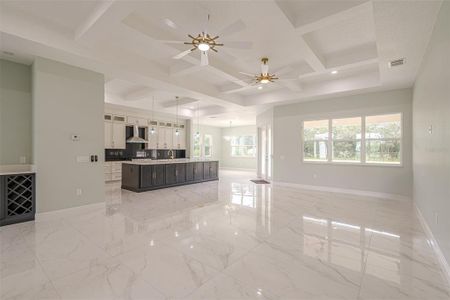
(67, 100)
(15, 113)
(287, 147)
(236, 162)
(431, 104)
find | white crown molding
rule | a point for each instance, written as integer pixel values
(345, 191)
(442, 261)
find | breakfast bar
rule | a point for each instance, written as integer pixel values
(146, 175)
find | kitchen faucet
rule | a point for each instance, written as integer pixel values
(170, 153)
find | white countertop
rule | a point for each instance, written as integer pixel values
(16, 169)
(166, 161)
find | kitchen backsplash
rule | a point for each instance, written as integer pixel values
(134, 151)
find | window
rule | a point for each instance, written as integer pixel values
(197, 145)
(207, 144)
(346, 136)
(315, 140)
(362, 139)
(243, 146)
(383, 139)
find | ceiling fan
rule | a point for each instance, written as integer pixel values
(204, 41)
(264, 77)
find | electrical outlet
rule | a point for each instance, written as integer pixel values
(79, 192)
(436, 218)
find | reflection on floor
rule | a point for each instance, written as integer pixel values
(223, 240)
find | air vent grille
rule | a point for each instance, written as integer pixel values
(397, 62)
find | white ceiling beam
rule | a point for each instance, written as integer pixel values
(312, 57)
(335, 18)
(182, 69)
(138, 94)
(92, 18)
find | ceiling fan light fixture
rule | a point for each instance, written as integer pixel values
(264, 80)
(203, 47)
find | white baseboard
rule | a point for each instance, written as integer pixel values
(40, 216)
(442, 261)
(345, 191)
(237, 169)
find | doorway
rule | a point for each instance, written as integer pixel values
(265, 153)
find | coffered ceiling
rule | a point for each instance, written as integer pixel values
(304, 40)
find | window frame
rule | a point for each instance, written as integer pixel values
(242, 146)
(210, 145)
(363, 162)
(199, 145)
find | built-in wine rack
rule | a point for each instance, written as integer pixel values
(17, 195)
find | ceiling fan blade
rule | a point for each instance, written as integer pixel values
(238, 45)
(170, 42)
(232, 28)
(247, 74)
(182, 54)
(204, 58)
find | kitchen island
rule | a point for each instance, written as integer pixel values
(146, 175)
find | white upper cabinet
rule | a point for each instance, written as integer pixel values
(152, 138)
(179, 141)
(168, 137)
(119, 136)
(108, 134)
(137, 121)
(114, 132)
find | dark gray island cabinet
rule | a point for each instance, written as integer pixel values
(140, 177)
(17, 198)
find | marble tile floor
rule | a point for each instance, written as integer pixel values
(229, 239)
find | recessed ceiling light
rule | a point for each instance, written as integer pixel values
(260, 87)
(334, 72)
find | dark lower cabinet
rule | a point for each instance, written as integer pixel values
(198, 171)
(17, 198)
(180, 172)
(159, 177)
(189, 172)
(143, 177)
(171, 174)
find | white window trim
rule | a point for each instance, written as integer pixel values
(200, 146)
(241, 146)
(210, 145)
(363, 162)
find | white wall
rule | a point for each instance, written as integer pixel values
(287, 149)
(15, 112)
(431, 104)
(236, 162)
(67, 100)
(216, 134)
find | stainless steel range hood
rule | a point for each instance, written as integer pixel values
(135, 139)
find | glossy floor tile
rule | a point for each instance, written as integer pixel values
(228, 239)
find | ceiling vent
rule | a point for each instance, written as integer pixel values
(396, 63)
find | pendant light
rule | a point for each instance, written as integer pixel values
(152, 131)
(197, 134)
(177, 131)
(227, 137)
